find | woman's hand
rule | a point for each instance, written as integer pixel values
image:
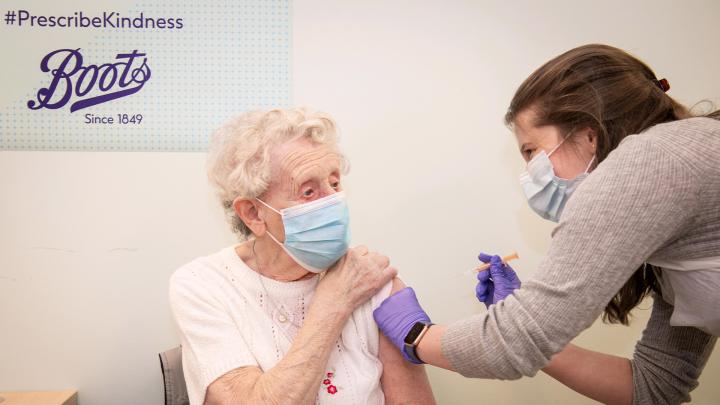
(402, 382)
(359, 275)
(497, 282)
(397, 315)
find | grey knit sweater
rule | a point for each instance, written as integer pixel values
(656, 195)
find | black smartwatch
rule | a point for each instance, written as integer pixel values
(412, 340)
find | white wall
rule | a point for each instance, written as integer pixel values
(88, 240)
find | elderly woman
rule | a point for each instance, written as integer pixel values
(263, 321)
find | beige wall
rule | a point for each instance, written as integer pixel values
(88, 240)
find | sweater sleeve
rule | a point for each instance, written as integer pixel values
(639, 199)
(668, 360)
(211, 341)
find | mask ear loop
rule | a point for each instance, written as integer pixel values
(268, 232)
(561, 142)
(268, 205)
(590, 164)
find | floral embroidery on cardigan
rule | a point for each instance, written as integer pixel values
(331, 389)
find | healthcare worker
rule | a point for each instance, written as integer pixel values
(633, 181)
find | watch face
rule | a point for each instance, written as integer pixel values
(414, 332)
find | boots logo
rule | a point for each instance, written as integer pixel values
(72, 81)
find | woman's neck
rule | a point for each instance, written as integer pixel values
(268, 259)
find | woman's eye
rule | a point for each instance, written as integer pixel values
(308, 192)
(335, 185)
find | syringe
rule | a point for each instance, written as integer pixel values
(505, 259)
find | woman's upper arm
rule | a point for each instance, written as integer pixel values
(668, 360)
(212, 345)
(402, 381)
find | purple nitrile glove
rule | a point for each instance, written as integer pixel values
(397, 315)
(497, 282)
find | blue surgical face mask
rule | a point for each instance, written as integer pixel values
(317, 233)
(546, 193)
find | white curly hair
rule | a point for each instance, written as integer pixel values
(239, 157)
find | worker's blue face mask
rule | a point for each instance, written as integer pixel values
(317, 233)
(546, 193)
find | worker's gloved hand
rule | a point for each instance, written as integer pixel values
(397, 315)
(497, 282)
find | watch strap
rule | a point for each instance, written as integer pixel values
(411, 348)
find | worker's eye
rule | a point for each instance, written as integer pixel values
(308, 192)
(527, 153)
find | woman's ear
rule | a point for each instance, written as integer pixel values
(248, 212)
(585, 140)
(592, 139)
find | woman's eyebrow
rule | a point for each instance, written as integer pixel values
(306, 176)
(300, 183)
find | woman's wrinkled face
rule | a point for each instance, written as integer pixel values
(569, 160)
(301, 171)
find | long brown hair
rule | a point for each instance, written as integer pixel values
(616, 95)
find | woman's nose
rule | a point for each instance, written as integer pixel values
(327, 190)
